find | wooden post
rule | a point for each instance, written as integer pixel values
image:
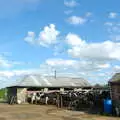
(110, 88)
(61, 101)
(58, 105)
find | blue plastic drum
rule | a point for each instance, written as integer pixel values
(108, 106)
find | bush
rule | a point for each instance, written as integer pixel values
(2, 94)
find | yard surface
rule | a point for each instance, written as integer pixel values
(42, 112)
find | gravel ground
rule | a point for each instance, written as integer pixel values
(42, 112)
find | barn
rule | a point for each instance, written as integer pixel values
(114, 83)
(43, 83)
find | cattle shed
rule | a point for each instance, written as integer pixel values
(114, 83)
(43, 83)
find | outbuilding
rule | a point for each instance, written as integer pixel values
(114, 84)
(37, 82)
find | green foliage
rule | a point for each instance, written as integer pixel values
(2, 93)
(105, 86)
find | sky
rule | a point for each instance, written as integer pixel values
(77, 38)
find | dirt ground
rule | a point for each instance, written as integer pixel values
(42, 112)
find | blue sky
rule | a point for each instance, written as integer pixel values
(76, 37)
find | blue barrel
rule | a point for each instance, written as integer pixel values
(108, 106)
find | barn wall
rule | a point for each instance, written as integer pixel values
(115, 92)
(12, 91)
(21, 95)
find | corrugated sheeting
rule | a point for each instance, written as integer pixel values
(115, 78)
(49, 81)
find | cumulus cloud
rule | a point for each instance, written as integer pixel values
(79, 68)
(7, 77)
(88, 57)
(76, 20)
(70, 3)
(113, 29)
(48, 36)
(4, 63)
(30, 37)
(12, 73)
(112, 15)
(59, 62)
(106, 50)
(73, 40)
(104, 65)
(116, 37)
(81, 65)
(76, 46)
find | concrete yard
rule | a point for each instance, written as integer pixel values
(42, 112)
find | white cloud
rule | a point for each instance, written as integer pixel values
(60, 62)
(7, 77)
(64, 67)
(106, 50)
(104, 65)
(30, 37)
(79, 68)
(70, 3)
(4, 63)
(113, 29)
(48, 36)
(116, 37)
(11, 73)
(73, 39)
(79, 65)
(76, 20)
(112, 15)
(7, 74)
(91, 57)
(116, 68)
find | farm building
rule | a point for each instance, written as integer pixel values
(115, 87)
(115, 90)
(43, 83)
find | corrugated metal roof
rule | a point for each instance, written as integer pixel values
(50, 81)
(115, 78)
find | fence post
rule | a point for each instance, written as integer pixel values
(61, 101)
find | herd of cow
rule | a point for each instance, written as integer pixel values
(75, 100)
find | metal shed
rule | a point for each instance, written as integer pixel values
(22, 84)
